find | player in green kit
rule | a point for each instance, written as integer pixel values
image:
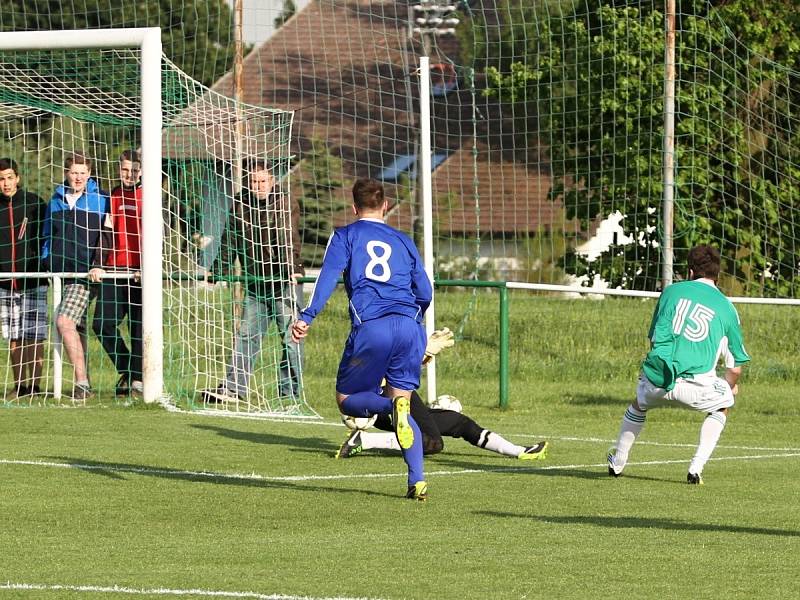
(693, 326)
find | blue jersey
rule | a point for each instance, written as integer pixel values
(383, 273)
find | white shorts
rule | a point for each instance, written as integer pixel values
(706, 393)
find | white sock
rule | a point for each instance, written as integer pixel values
(631, 427)
(383, 440)
(710, 431)
(496, 443)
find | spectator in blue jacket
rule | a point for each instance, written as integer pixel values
(73, 225)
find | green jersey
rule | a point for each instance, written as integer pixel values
(693, 325)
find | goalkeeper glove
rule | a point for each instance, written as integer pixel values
(439, 340)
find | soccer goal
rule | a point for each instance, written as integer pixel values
(210, 296)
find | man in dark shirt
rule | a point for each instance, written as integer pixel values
(23, 301)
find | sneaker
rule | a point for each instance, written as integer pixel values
(220, 395)
(137, 389)
(351, 446)
(694, 478)
(123, 387)
(26, 391)
(535, 452)
(613, 469)
(418, 491)
(82, 392)
(401, 409)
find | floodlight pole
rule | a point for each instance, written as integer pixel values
(148, 39)
(432, 21)
(668, 201)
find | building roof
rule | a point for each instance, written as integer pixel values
(347, 69)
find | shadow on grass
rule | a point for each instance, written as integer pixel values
(642, 523)
(119, 470)
(306, 443)
(598, 400)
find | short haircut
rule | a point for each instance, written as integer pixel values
(367, 193)
(76, 158)
(9, 163)
(704, 261)
(251, 165)
(131, 155)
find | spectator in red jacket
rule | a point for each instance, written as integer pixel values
(119, 298)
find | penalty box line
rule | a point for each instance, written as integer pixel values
(526, 436)
(218, 476)
(117, 589)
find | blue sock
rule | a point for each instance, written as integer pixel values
(366, 404)
(413, 456)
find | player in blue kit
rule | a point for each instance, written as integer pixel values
(389, 292)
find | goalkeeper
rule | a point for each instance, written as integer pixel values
(442, 418)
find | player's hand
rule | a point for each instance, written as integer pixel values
(299, 330)
(96, 275)
(735, 389)
(439, 340)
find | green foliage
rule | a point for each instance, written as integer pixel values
(287, 12)
(593, 80)
(196, 34)
(320, 197)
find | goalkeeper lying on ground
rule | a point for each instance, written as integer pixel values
(442, 418)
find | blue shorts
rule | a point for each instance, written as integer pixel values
(390, 347)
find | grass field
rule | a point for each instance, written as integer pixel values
(113, 502)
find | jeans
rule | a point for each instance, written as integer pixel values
(256, 318)
(118, 299)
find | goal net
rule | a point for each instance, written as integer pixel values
(227, 257)
(548, 123)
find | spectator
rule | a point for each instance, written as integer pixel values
(23, 301)
(122, 297)
(73, 227)
(258, 233)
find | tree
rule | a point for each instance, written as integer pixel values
(320, 199)
(287, 12)
(197, 34)
(591, 87)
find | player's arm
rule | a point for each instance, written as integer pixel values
(736, 356)
(732, 376)
(333, 263)
(420, 282)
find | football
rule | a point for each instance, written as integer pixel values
(358, 422)
(447, 402)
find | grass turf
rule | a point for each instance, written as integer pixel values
(148, 500)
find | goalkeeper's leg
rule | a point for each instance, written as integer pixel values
(454, 424)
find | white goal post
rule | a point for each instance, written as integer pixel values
(148, 41)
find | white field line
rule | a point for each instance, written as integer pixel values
(216, 476)
(566, 438)
(527, 436)
(116, 589)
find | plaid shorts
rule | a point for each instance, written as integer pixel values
(23, 315)
(74, 302)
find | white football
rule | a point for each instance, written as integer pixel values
(359, 422)
(447, 402)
